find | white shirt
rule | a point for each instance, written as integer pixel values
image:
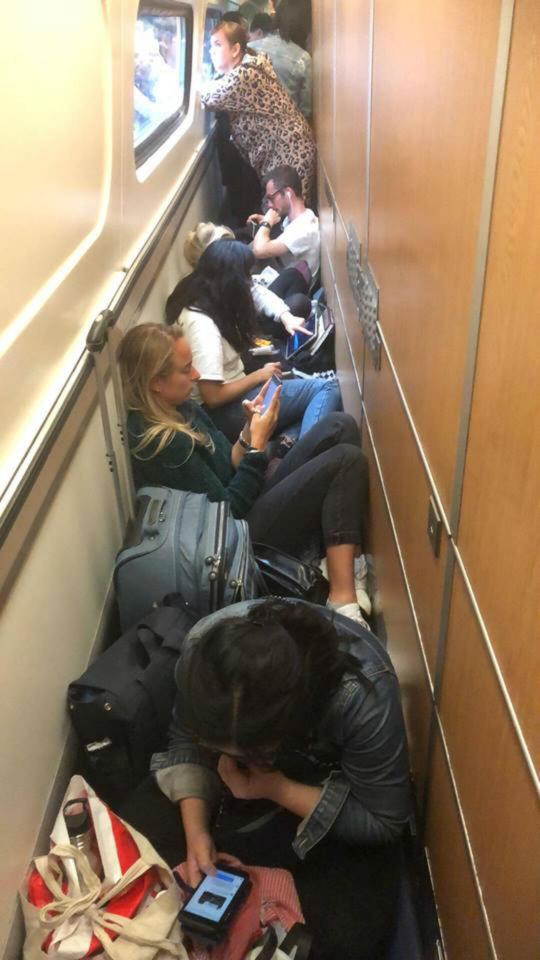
(302, 238)
(213, 356)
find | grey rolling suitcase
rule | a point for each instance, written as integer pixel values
(182, 543)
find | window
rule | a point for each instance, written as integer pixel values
(161, 75)
(213, 16)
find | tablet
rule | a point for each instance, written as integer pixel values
(297, 340)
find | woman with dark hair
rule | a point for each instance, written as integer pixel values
(266, 125)
(287, 749)
(215, 310)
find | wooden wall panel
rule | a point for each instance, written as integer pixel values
(432, 82)
(465, 935)
(403, 644)
(324, 80)
(408, 493)
(497, 795)
(499, 529)
(352, 82)
(346, 367)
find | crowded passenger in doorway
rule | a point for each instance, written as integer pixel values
(261, 25)
(283, 300)
(291, 709)
(316, 499)
(266, 125)
(300, 237)
(215, 310)
(290, 61)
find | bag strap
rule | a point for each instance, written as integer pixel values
(93, 904)
(269, 944)
(158, 627)
(299, 937)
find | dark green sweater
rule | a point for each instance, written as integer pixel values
(200, 471)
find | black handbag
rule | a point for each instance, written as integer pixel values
(286, 576)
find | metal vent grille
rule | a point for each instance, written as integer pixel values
(366, 297)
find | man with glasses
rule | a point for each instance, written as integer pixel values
(299, 238)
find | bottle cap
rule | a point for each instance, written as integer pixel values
(78, 819)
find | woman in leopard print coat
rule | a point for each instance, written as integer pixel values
(266, 125)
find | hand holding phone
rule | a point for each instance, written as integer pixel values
(273, 384)
(212, 906)
(264, 423)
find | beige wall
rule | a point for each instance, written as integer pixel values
(429, 126)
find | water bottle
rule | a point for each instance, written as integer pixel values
(81, 831)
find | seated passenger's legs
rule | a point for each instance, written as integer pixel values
(291, 280)
(152, 814)
(307, 402)
(322, 484)
(302, 402)
(348, 894)
(349, 898)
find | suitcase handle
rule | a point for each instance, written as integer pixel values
(153, 517)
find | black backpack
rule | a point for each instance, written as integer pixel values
(121, 705)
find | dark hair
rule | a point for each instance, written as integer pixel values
(232, 25)
(262, 21)
(256, 680)
(293, 21)
(220, 286)
(282, 177)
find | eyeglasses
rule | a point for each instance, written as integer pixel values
(269, 197)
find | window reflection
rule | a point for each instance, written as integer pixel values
(212, 19)
(159, 73)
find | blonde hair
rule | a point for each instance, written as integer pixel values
(146, 352)
(200, 238)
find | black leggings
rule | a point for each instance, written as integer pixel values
(348, 894)
(292, 287)
(318, 494)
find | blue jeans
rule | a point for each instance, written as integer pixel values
(302, 404)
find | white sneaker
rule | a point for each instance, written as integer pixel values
(350, 610)
(361, 573)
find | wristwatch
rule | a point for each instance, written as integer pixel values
(246, 446)
(264, 223)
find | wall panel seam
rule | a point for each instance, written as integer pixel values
(468, 844)
(434, 891)
(482, 245)
(400, 554)
(409, 416)
(497, 669)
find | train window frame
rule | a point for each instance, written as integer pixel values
(172, 8)
(212, 16)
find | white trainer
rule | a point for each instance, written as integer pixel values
(350, 610)
(361, 573)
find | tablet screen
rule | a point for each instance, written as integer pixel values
(297, 340)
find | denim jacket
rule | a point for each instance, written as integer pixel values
(358, 752)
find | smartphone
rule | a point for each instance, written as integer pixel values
(212, 906)
(275, 382)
